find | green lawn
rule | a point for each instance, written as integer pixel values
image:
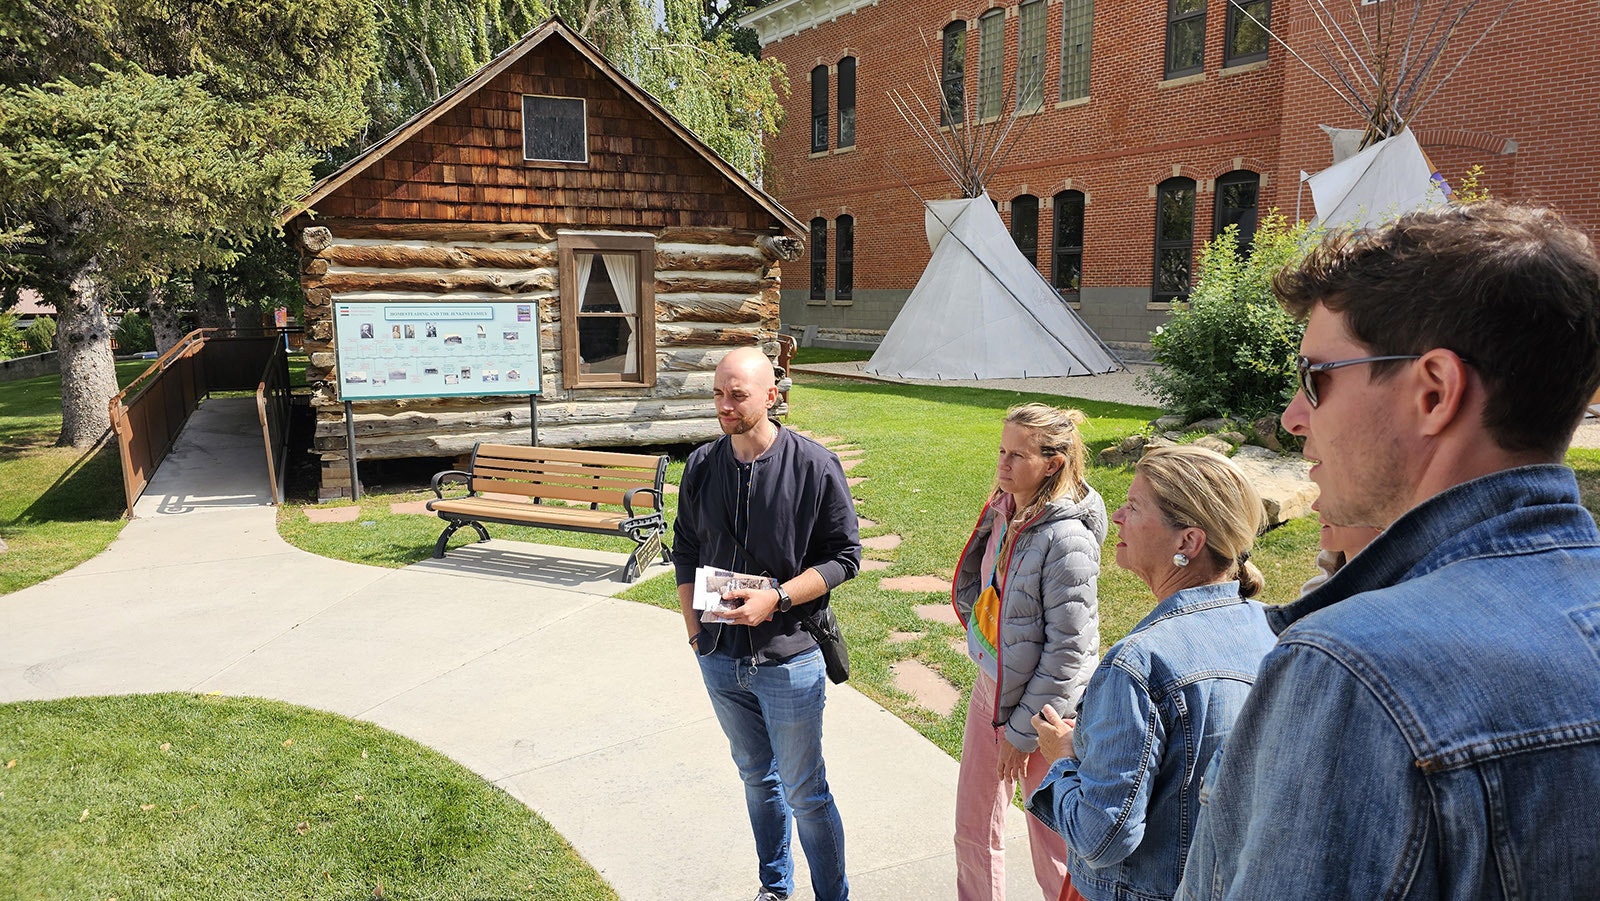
(59, 506)
(200, 798)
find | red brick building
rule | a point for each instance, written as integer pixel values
(1155, 123)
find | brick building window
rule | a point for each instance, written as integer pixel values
(1186, 37)
(1247, 34)
(554, 129)
(847, 102)
(608, 307)
(1030, 54)
(953, 74)
(1066, 264)
(1236, 205)
(1025, 225)
(1077, 21)
(1174, 239)
(844, 257)
(819, 259)
(991, 70)
(819, 109)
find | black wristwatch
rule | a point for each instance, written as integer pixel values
(785, 603)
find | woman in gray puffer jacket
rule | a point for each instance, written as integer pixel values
(1025, 591)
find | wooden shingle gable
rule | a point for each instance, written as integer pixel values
(461, 158)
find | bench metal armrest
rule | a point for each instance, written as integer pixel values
(641, 527)
(627, 499)
(450, 475)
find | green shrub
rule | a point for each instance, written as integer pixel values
(12, 342)
(134, 335)
(41, 335)
(1230, 351)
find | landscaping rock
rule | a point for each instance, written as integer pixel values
(1169, 421)
(1284, 483)
(1266, 429)
(1232, 437)
(1124, 452)
(1214, 443)
(1208, 425)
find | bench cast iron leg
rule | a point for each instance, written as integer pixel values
(641, 556)
(444, 537)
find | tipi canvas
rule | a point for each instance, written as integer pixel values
(1386, 179)
(982, 311)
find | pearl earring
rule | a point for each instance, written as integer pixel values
(1180, 559)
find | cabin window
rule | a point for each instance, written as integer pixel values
(847, 102)
(819, 109)
(819, 259)
(1066, 266)
(1186, 37)
(991, 49)
(1174, 239)
(1248, 21)
(1236, 205)
(1077, 21)
(554, 129)
(608, 304)
(953, 74)
(1030, 55)
(1025, 225)
(844, 258)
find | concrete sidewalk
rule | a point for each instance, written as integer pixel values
(511, 658)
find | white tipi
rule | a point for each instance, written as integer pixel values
(982, 311)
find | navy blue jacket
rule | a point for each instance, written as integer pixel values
(799, 516)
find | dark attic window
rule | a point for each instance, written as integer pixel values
(554, 129)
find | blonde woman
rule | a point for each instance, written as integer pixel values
(1025, 592)
(1124, 789)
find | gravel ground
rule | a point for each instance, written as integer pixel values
(1117, 387)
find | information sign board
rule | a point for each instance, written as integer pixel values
(466, 349)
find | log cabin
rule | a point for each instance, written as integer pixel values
(551, 181)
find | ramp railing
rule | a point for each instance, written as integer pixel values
(147, 415)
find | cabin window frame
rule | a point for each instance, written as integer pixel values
(548, 162)
(1238, 22)
(643, 248)
(1183, 23)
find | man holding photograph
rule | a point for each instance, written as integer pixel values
(765, 501)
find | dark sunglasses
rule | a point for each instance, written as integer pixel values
(1305, 369)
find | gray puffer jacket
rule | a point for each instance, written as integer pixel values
(1050, 616)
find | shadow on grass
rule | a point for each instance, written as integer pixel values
(90, 488)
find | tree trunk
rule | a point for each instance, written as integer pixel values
(88, 370)
(209, 301)
(164, 320)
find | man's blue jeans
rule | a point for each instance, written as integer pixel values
(772, 715)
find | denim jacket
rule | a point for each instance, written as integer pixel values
(1154, 712)
(1429, 724)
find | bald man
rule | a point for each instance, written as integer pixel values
(764, 500)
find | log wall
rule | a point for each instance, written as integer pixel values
(716, 289)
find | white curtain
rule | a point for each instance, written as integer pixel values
(624, 271)
(585, 262)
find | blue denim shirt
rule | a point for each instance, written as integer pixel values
(1429, 724)
(1155, 710)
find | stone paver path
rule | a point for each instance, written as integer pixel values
(881, 542)
(938, 613)
(923, 683)
(411, 507)
(870, 565)
(865, 523)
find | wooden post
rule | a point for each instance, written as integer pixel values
(350, 448)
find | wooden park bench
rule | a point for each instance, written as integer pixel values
(509, 484)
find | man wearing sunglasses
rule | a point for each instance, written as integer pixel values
(1428, 724)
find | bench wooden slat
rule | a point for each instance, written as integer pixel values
(644, 476)
(598, 480)
(535, 489)
(565, 455)
(530, 513)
